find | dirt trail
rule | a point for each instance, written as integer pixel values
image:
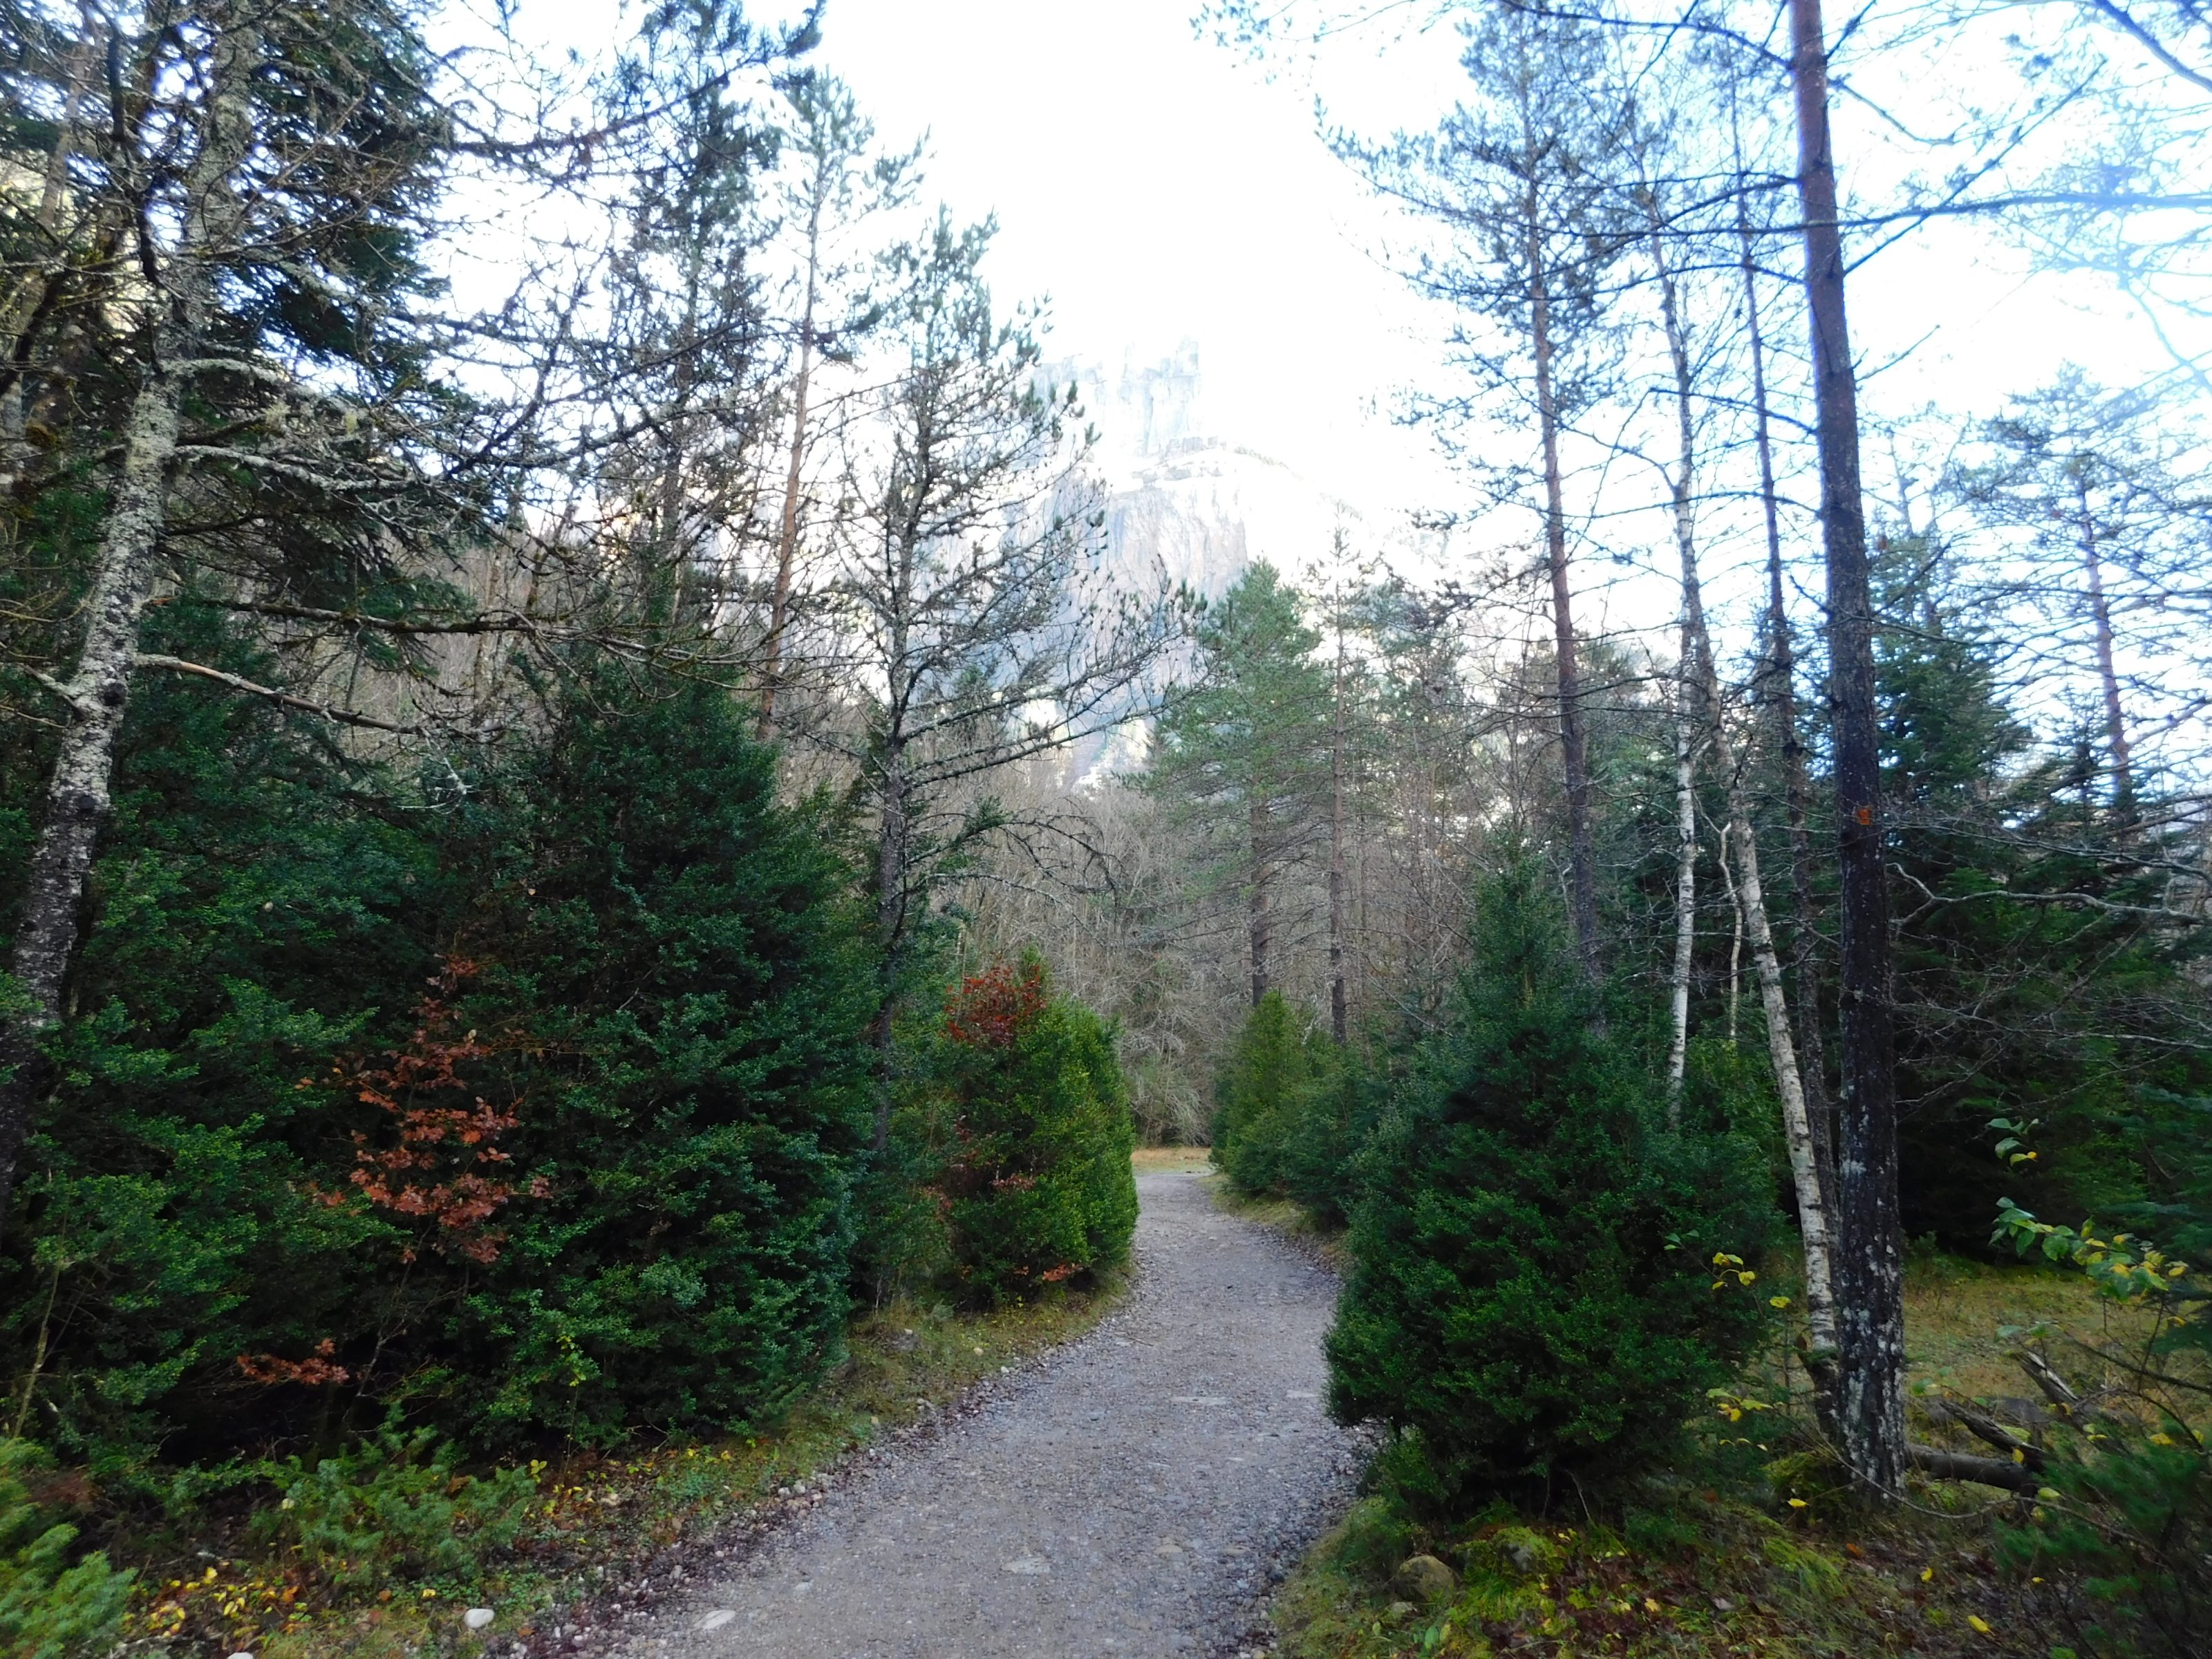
(1135, 1494)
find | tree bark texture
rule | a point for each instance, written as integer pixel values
(1685, 884)
(1781, 685)
(1870, 1255)
(78, 793)
(787, 542)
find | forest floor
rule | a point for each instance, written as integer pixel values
(1754, 1550)
(1135, 1472)
(643, 1520)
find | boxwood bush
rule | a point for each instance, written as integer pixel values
(1038, 1187)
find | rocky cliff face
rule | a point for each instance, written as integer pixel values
(1183, 499)
(1191, 505)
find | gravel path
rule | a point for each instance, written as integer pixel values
(1135, 1494)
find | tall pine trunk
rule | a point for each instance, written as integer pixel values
(1339, 1014)
(1870, 1253)
(891, 923)
(78, 798)
(1573, 742)
(1256, 918)
(2101, 618)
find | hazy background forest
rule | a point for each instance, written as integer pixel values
(616, 756)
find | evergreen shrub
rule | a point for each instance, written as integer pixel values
(527, 1100)
(51, 1606)
(688, 996)
(394, 1506)
(1262, 1098)
(1338, 1112)
(1531, 1292)
(1038, 1186)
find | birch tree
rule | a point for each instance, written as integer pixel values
(253, 181)
(230, 313)
(1701, 722)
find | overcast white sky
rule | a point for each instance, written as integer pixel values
(1160, 187)
(1157, 189)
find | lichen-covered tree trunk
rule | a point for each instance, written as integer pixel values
(1685, 884)
(98, 691)
(1781, 678)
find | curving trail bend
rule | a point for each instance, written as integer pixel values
(1136, 1494)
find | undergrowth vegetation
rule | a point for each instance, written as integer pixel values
(1748, 1540)
(378, 1551)
(1565, 1298)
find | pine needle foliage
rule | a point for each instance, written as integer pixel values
(1531, 1294)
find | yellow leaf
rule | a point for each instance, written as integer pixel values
(1650, 1605)
(2019, 1455)
(1796, 1502)
(1978, 1624)
(1927, 1573)
(1746, 1276)
(2049, 1494)
(1777, 1301)
(2161, 1440)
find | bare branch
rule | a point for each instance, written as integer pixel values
(286, 699)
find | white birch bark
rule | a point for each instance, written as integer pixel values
(1685, 884)
(1815, 1225)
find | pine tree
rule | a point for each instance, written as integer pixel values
(1244, 756)
(2103, 526)
(981, 623)
(1532, 1291)
(1519, 176)
(830, 185)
